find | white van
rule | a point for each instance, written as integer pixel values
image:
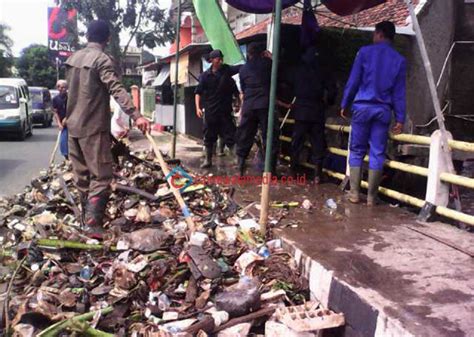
(15, 107)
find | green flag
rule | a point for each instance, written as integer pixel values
(217, 30)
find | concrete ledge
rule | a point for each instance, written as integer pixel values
(388, 280)
(362, 318)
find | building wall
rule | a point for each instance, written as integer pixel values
(437, 21)
(239, 21)
(460, 120)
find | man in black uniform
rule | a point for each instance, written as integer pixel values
(255, 77)
(312, 90)
(213, 100)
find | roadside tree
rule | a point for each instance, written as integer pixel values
(35, 66)
(142, 20)
(6, 58)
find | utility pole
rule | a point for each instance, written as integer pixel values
(175, 101)
(267, 174)
(57, 69)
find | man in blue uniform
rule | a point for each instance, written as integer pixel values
(313, 90)
(213, 98)
(375, 88)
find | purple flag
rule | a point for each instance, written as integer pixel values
(340, 7)
(260, 6)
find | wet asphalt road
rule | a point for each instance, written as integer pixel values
(22, 161)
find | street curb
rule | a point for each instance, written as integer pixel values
(363, 317)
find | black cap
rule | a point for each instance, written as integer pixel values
(98, 31)
(215, 53)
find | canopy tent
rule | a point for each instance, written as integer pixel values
(340, 7)
(309, 22)
(162, 76)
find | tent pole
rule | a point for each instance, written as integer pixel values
(434, 94)
(267, 175)
(175, 100)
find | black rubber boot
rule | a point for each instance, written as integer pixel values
(274, 168)
(355, 177)
(208, 161)
(241, 165)
(95, 211)
(375, 176)
(318, 173)
(220, 148)
(233, 150)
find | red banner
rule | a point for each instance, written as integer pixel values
(62, 28)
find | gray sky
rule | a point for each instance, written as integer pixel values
(28, 22)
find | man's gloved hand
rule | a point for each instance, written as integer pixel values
(143, 124)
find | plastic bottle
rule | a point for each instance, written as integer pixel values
(331, 204)
(86, 273)
(264, 252)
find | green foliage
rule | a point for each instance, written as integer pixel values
(6, 63)
(35, 66)
(6, 59)
(339, 48)
(128, 81)
(144, 21)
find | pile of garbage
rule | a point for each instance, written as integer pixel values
(145, 274)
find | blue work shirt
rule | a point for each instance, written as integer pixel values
(60, 104)
(377, 79)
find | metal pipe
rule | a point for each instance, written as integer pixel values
(408, 168)
(408, 199)
(175, 100)
(461, 146)
(271, 113)
(457, 180)
(448, 56)
(407, 138)
(415, 169)
(397, 165)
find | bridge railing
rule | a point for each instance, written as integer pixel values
(437, 194)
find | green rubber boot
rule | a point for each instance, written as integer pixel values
(355, 177)
(375, 176)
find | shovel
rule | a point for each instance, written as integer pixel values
(176, 192)
(51, 160)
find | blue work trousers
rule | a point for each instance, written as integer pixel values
(63, 146)
(370, 126)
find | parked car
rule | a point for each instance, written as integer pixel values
(15, 107)
(42, 109)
